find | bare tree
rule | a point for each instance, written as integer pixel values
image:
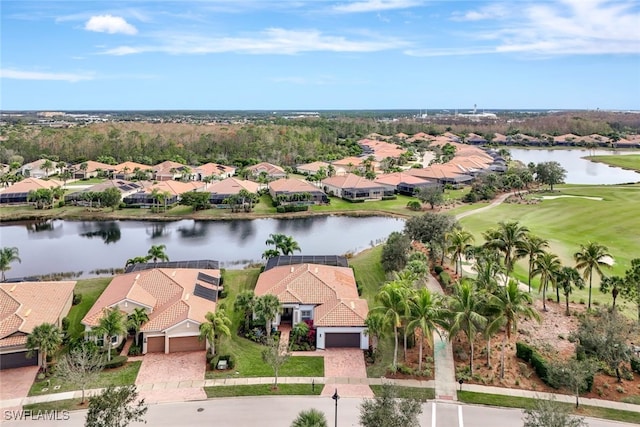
(81, 367)
(275, 358)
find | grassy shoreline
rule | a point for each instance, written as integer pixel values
(629, 162)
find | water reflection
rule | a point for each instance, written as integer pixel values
(108, 231)
(40, 225)
(195, 230)
(157, 230)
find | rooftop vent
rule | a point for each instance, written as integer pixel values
(27, 313)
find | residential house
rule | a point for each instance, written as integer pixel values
(443, 174)
(170, 191)
(475, 139)
(221, 190)
(26, 305)
(267, 170)
(126, 188)
(290, 190)
(314, 167)
(351, 164)
(91, 169)
(380, 150)
(36, 169)
(175, 299)
(355, 188)
(214, 170)
(325, 295)
(18, 193)
(169, 170)
(404, 183)
(127, 170)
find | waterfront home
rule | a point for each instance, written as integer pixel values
(322, 294)
(405, 184)
(296, 191)
(221, 190)
(26, 305)
(176, 301)
(126, 188)
(18, 193)
(355, 188)
(161, 193)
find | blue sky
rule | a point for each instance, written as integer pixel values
(315, 54)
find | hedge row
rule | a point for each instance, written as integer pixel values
(116, 362)
(635, 364)
(539, 364)
(292, 208)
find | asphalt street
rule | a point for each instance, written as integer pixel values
(281, 411)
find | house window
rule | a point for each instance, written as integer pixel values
(100, 341)
(114, 339)
(305, 314)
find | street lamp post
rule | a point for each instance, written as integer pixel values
(336, 397)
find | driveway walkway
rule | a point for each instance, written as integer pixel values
(161, 375)
(346, 363)
(15, 383)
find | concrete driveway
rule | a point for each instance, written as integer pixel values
(160, 374)
(15, 383)
(346, 363)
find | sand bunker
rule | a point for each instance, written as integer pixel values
(566, 195)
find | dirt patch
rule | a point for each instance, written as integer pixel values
(551, 339)
(408, 369)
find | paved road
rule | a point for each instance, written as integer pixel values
(280, 411)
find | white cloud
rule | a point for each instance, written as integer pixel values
(275, 41)
(38, 75)
(375, 5)
(492, 11)
(110, 24)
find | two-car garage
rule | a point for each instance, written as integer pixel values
(18, 359)
(342, 339)
(175, 344)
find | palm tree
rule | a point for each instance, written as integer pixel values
(567, 278)
(157, 252)
(425, 315)
(136, 260)
(394, 306)
(245, 303)
(465, 314)
(531, 247)
(217, 323)
(376, 328)
(46, 338)
(288, 246)
(506, 237)
(310, 418)
(112, 324)
(547, 265)
(592, 256)
(7, 256)
(613, 283)
(511, 304)
(135, 320)
(275, 240)
(459, 242)
(267, 307)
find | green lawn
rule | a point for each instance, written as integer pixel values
(631, 161)
(368, 272)
(90, 289)
(124, 375)
(89, 181)
(397, 206)
(263, 390)
(419, 393)
(56, 405)
(527, 403)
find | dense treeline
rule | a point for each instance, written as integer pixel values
(280, 141)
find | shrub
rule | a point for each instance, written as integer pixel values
(445, 278)
(414, 205)
(635, 364)
(404, 369)
(116, 362)
(540, 366)
(523, 351)
(438, 269)
(65, 324)
(135, 350)
(77, 298)
(213, 363)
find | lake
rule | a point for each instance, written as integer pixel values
(56, 246)
(579, 170)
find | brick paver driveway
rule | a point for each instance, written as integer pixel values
(346, 363)
(15, 383)
(161, 374)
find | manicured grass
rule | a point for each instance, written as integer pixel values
(263, 390)
(57, 405)
(631, 161)
(397, 206)
(90, 289)
(368, 272)
(419, 393)
(89, 181)
(124, 375)
(527, 403)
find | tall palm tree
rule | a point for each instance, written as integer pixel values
(592, 256)
(245, 303)
(531, 247)
(267, 307)
(547, 265)
(46, 338)
(135, 320)
(157, 252)
(112, 324)
(288, 246)
(217, 324)
(506, 237)
(7, 256)
(425, 315)
(376, 328)
(310, 418)
(393, 300)
(458, 242)
(276, 240)
(465, 308)
(511, 304)
(566, 279)
(614, 284)
(488, 270)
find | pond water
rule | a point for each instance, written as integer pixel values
(579, 170)
(56, 246)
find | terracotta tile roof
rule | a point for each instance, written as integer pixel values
(292, 185)
(566, 137)
(266, 167)
(26, 305)
(332, 288)
(131, 166)
(175, 188)
(169, 291)
(350, 181)
(354, 161)
(232, 186)
(312, 167)
(382, 149)
(397, 178)
(93, 166)
(29, 184)
(214, 169)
